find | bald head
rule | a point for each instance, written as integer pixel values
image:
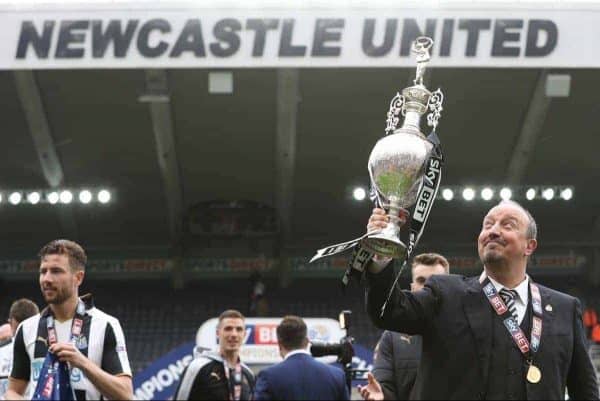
(531, 224)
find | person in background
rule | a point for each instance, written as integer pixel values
(221, 375)
(299, 376)
(20, 310)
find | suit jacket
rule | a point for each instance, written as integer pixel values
(395, 364)
(301, 377)
(454, 318)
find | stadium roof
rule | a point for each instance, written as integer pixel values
(226, 147)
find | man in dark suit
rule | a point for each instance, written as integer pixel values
(299, 376)
(397, 355)
(496, 336)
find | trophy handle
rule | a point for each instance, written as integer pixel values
(396, 107)
(435, 105)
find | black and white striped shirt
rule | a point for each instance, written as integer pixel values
(102, 341)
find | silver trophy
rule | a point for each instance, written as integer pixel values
(405, 169)
(398, 161)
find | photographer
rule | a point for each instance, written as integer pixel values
(299, 376)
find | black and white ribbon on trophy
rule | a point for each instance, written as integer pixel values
(425, 198)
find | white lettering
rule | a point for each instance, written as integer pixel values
(165, 378)
(140, 394)
(148, 388)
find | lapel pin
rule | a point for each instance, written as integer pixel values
(549, 308)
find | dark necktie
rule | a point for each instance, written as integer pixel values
(509, 296)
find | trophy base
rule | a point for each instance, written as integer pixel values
(381, 244)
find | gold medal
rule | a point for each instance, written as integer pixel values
(534, 375)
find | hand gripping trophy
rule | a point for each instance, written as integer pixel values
(405, 169)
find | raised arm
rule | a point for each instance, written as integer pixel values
(405, 312)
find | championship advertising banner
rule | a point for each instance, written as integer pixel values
(243, 267)
(159, 381)
(176, 37)
(260, 345)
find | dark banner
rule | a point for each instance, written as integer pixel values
(244, 266)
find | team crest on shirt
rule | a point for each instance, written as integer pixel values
(82, 342)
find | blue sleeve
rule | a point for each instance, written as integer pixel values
(339, 377)
(345, 394)
(261, 390)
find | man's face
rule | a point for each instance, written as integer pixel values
(420, 274)
(58, 281)
(503, 237)
(231, 333)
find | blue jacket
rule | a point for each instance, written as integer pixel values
(301, 377)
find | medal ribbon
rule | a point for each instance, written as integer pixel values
(54, 381)
(512, 325)
(425, 198)
(235, 385)
(76, 326)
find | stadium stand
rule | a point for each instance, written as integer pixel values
(156, 318)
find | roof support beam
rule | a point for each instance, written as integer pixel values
(285, 162)
(35, 114)
(530, 130)
(158, 99)
(285, 147)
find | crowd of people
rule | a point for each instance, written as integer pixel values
(496, 336)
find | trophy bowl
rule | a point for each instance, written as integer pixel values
(396, 167)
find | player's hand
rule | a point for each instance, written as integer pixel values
(372, 391)
(67, 352)
(378, 220)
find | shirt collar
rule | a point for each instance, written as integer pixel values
(87, 299)
(522, 289)
(295, 352)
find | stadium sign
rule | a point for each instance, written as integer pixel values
(266, 38)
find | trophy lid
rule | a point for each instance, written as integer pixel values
(416, 99)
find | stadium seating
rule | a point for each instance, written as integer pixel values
(157, 318)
